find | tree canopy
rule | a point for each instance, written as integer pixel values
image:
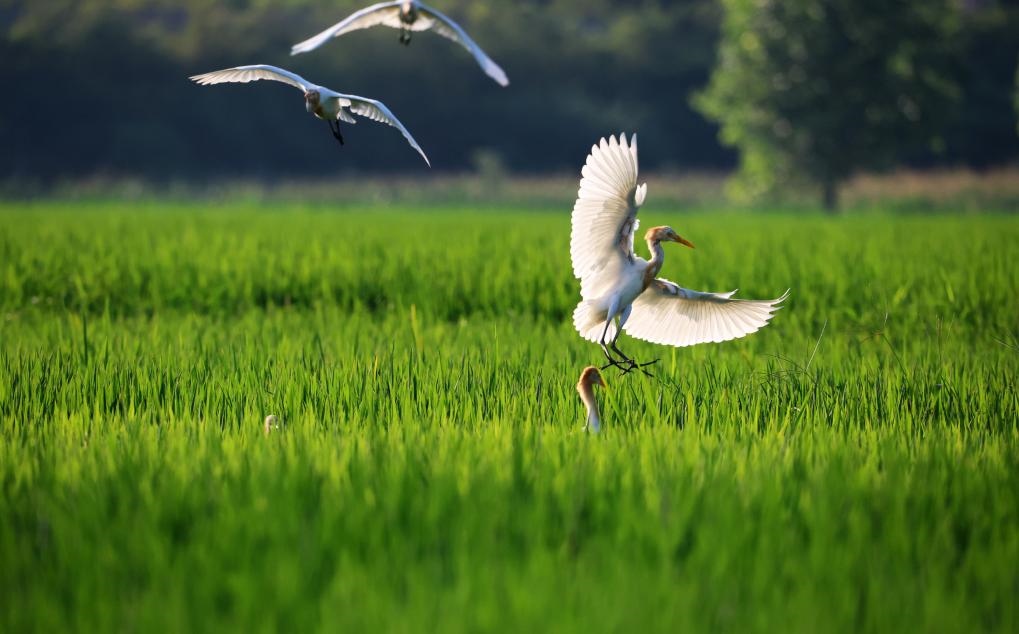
(101, 86)
(814, 90)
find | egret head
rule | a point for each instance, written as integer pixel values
(665, 234)
(588, 378)
(311, 99)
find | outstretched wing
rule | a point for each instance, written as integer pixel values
(605, 214)
(668, 314)
(446, 27)
(387, 13)
(244, 74)
(377, 111)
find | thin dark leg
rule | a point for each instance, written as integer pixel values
(334, 127)
(612, 361)
(631, 364)
(620, 353)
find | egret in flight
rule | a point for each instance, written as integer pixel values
(408, 16)
(622, 291)
(325, 104)
(585, 387)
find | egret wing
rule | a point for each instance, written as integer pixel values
(387, 13)
(669, 314)
(345, 116)
(255, 72)
(605, 215)
(447, 28)
(377, 111)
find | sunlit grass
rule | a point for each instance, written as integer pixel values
(432, 473)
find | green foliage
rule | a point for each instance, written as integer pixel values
(811, 91)
(432, 473)
(988, 47)
(578, 71)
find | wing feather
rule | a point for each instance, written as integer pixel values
(668, 314)
(380, 13)
(255, 72)
(377, 111)
(447, 28)
(605, 214)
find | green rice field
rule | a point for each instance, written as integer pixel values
(853, 467)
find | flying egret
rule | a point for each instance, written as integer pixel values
(408, 16)
(585, 387)
(325, 104)
(621, 290)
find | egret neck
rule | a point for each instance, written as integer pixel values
(657, 260)
(585, 387)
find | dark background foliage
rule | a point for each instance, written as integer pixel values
(101, 87)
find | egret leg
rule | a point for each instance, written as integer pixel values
(631, 364)
(613, 362)
(405, 37)
(334, 127)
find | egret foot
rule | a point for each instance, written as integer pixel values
(641, 366)
(628, 366)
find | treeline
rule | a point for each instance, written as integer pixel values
(101, 87)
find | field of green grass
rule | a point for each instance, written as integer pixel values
(853, 467)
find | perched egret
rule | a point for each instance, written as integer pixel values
(585, 387)
(621, 290)
(325, 104)
(408, 16)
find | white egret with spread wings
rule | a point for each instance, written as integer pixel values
(408, 16)
(324, 103)
(622, 291)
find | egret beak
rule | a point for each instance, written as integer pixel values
(684, 242)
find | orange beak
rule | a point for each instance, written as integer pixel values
(684, 242)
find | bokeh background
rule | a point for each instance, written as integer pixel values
(99, 89)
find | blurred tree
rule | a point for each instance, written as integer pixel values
(102, 88)
(988, 46)
(579, 69)
(812, 90)
(1015, 98)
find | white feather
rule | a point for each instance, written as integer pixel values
(388, 14)
(668, 314)
(333, 103)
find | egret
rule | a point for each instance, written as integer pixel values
(408, 16)
(620, 290)
(585, 387)
(271, 423)
(325, 104)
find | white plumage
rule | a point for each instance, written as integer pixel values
(622, 290)
(408, 16)
(324, 103)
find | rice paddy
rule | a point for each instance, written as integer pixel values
(853, 467)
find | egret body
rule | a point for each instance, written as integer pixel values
(328, 105)
(621, 290)
(408, 16)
